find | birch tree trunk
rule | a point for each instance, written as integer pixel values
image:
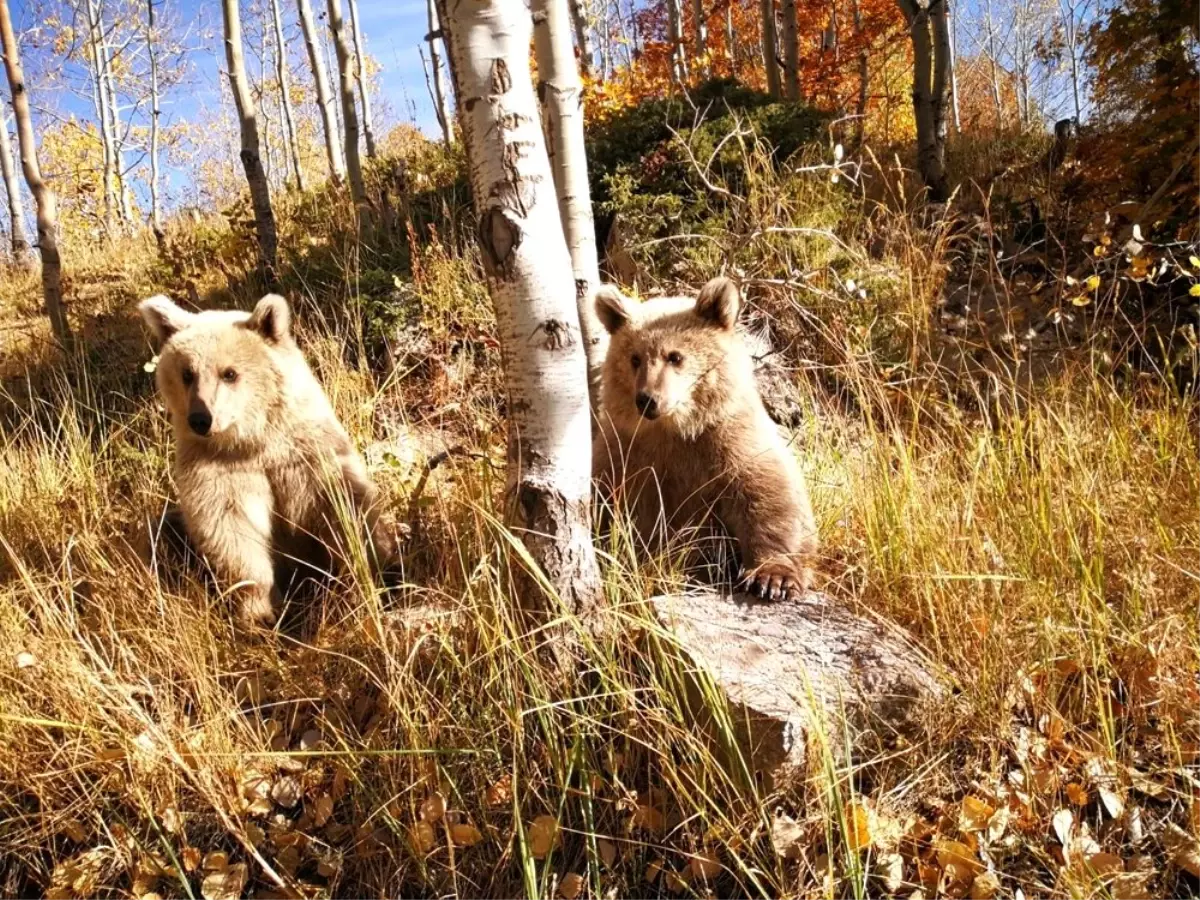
(928, 78)
(675, 35)
(860, 111)
(730, 41)
(701, 37)
(156, 222)
(47, 204)
(952, 60)
(770, 42)
(561, 99)
(285, 92)
(580, 19)
(100, 97)
(942, 73)
(1071, 33)
(529, 276)
(22, 256)
(791, 52)
(337, 165)
(256, 178)
(995, 66)
(360, 75)
(440, 106)
(341, 47)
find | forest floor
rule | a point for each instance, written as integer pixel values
(1040, 545)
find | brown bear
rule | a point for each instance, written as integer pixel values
(262, 463)
(684, 443)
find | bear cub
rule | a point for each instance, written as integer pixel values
(262, 463)
(684, 441)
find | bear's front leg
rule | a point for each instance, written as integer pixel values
(381, 527)
(228, 516)
(772, 522)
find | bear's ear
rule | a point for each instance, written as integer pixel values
(271, 318)
(612, 308)
(719, 302)
(164, 317)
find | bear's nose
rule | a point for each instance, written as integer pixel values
(199, 422)
(647, 405)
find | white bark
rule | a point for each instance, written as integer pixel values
(561, 99)
(1070, 16)
(580, 21)
(860, 110)
(100, 97)
(995, 66)
(791, 52)
(770, 48)
(701, 36)
(952, 24)
(928, 34)
(22, 256)
(47, 203)
(333, 137)
(360, 75)
(285, 94)
(730, 42)
(529, 275)
(256, 178)
(156, 222)
(341, 47)
(437, 86)
(675, 36)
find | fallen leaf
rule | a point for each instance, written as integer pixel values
(705, 865)
(608, 852)
(1062, 822)
(26, 660)
(787, 836)
(1105, 863)
(74, 830)
(433, 808)
(311, 739)
(1077, 794)
(653, 870)
(571, 886)
(952, 853)
(1184, 849)
(500, 793)
(676, 882)
(649, 819)
(465, 834)
(1130, 886)
(975, 814)
(998, 824)
(543, 836)
(286, 792)
(226, 884)
(858, 825)
(322, 810)
(191, 859)
(1093, 282)
(890, 869)
(216, 861)
(984, 886)
(288, 859)
(422, 836)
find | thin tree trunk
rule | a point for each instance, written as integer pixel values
(22, 256)
(333, 141)
(770, 50)
(360, 75)
(285, 93)
(156, 222)
(100, 97)
(440, 105)
(952, 63)
(675, 35)
(1071, 24)
(583, 37)
(341, 46)
(268, 153)
(528, 271)
(47, 205)
(943, 75)
(860, 111)
(995, 65)
(929, 155)
(119, 134)
(260, 190)
(730, 41)
(791, 52)
(701, 37)
(561, 99)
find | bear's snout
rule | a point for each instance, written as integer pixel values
(200, 422)
(646, 405)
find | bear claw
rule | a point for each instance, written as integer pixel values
(770, 587)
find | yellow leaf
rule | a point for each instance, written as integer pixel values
(543, 836)
(422, 836)
(191, 859)
(1105, 864)
(500, 793)
(1195, 261)
(217, 861)
(653, 870)
(858, 825)
(955, 854)
(433, 808)
(1092, 282)
(571, 886)
(1077, 794)
(975, 814)
(1194, 290)
(465, 834)
(984, 886)
(1081, 300)
(226, 884)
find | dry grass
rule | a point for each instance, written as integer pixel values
(1045, 557)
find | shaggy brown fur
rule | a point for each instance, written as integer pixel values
(261, 459)
(684, 438)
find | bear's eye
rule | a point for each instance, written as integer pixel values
(229, 376)
(187, 376)
(675, 358)
(636, 360)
